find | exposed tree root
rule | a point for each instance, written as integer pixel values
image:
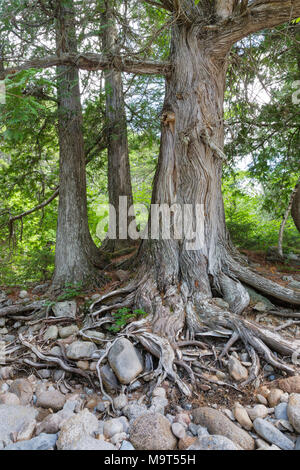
(54, 360)
(16, 309)
(182, 330)
(176, 312)
(284, 313)
(264, 285)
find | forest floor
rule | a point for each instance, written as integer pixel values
(48, 354)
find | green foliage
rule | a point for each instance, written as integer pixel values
(123, 316)
(70, 291)
(250, 225)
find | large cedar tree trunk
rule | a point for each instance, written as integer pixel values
(180, 285)
(75, 250)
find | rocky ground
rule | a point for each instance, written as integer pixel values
(50, 398)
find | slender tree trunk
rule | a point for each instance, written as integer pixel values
(119, 180)
(286, 215)
(295, 211)
(75, 250)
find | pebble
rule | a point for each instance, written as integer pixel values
(23, 294)
(8, 398)
(51, 334)
(126, 445)
(281, 411)
(214, 443)
(41, 442)
(120, 401)
(293, 411)
(159, 392)
(112, 427)
(66, 331)
(258, 411)
(271, 434)
(51, 399)
(117, 438)
(274, 397)
(242, 417)
(236, 369)
(178, 430)
(80, 350)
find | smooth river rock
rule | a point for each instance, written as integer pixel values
(213, 443)
(271, 434)
(125, 361)
(218, 424)
(293, 411)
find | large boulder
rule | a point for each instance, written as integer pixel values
(152, 431)
(13, 418)
(125, 361)
(218, 424)
(76, 428)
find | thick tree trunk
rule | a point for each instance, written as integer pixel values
(75, 250)
(189, 172)
(180, 283)
(119, 180)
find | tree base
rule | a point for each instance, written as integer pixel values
(177, 322)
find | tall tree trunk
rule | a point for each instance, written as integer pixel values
(190, 170)
(286, 215)
(75, 250)
(180, 283)
(296, 206)
(119, 180)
